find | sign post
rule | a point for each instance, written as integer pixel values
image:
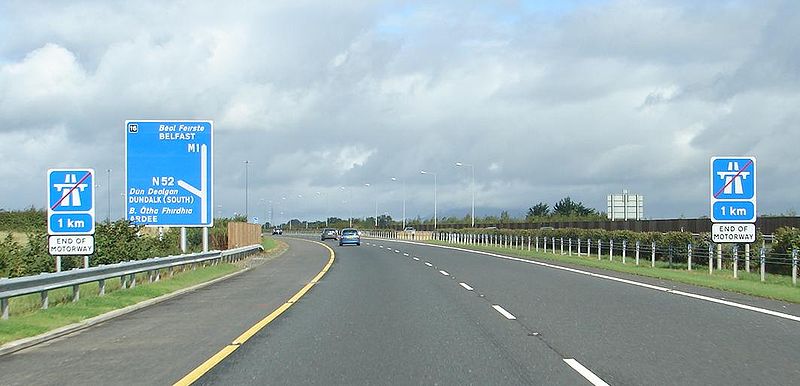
(70, 213)
(169, 173)
(733, 199)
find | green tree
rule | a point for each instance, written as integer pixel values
(567, 207)
(539, 210)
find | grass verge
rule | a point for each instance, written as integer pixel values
(28, 320)
(778, 287)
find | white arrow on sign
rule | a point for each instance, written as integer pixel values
(202, 193)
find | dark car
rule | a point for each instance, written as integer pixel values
(349, 236)
(328, 233)
(277, 231)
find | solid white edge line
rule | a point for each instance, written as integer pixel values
(620, 280)
(586, 373)
(428, 264)
(466, 286)
(503, 312)
(444, 273)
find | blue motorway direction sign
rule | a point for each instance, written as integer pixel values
(70, 197)
(169, 173)
(733, 189)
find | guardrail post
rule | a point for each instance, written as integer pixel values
(4, 307)
(158, 274)
(624, 250)
(150, 276)
(45, 300)
(689, 255)
(653, 255)
(763, 263)
(794, 267)
(735, 261)
(599, 248)
(747, 257)
(132, 283)
(76, 293)
(637, 252)
(102, 287)
(611, 250)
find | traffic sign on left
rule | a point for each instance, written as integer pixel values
(70, 197)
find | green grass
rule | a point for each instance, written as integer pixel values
(777, 287)
(269, 243)
(27, 319)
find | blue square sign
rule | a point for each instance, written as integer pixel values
(70, 197)
(733, 189)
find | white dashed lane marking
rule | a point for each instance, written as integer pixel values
(503, 312)
(466, 286)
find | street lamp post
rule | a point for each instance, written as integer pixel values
(108, 218)
(350, 211)
(472, 168)
(434, 196)
(246, 187)
(376, 207)
(404, 200)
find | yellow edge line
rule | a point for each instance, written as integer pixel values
(198, 372)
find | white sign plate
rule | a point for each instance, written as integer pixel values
(733, 233)
(71, 245)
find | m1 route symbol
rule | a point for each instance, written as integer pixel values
(70, 197)
(169, 172)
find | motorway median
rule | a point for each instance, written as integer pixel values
(777, 287)
(28, 319)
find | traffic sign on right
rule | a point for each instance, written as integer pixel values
(733, 198)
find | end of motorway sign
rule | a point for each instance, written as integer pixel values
(169, 172)
(733, 199)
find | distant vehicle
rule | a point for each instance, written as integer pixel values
(490, 228)
(277, 231)
(546, 228)
(349, 236)
(409, 230)
(328, 233)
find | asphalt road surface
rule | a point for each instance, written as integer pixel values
(381, 317)
(407, 314)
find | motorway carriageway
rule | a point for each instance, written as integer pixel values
(397, 313)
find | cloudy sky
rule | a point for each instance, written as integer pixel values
(545, 99)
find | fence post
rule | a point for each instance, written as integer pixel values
(553, 243)
(689, 255)
(611, 250)
(794, 267)
(736, 261)
(719, 257)
(529, 243)
(653, 255)
(579, 247)
(545, 242)
(599, 246)
(637, 252)
(589, 248)
(570, 246)
(562, 245)
(763, 263)
(710, 258)
(624, 248)
(747, 257)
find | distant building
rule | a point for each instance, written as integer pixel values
(625, 206)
